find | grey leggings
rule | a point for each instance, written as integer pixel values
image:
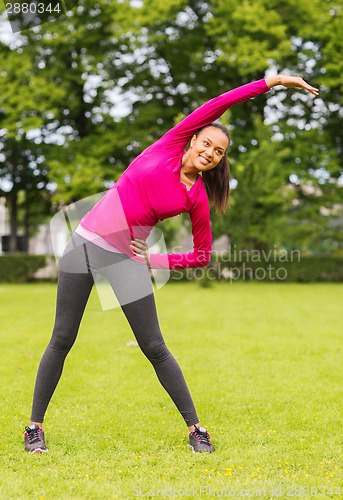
(132, 285)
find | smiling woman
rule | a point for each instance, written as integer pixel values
(163, 181)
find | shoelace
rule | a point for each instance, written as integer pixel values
(203, 438)
(33, 434)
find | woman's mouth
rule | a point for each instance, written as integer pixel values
(204, 160)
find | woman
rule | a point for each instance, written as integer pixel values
(163, 181)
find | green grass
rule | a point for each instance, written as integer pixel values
(264, 366)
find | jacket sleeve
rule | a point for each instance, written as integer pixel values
(202, 242)
(210, 111)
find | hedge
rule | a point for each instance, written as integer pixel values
(304, 270)
(20, 268)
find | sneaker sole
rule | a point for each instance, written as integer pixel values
(37, 450)
(193, 450)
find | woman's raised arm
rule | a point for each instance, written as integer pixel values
(209, 112)
(178, 136)
(213, 109)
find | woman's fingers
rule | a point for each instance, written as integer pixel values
(302, 84)
(311, 89)
(297, 82)
(139, 244)
(139, 247)
(135, 248)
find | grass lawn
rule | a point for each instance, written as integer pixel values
(263, 363)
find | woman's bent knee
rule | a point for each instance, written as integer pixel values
(156, 351)
(62, 341)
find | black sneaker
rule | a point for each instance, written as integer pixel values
(199, 440)
(34, 439)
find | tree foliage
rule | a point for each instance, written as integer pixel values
(85, 94)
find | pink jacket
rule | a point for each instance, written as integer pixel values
(150, 190)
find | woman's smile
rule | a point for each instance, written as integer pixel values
(205, 160)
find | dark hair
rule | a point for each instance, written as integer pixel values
(217, 180)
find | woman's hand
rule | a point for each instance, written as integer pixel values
(290, 82)
(140, 249)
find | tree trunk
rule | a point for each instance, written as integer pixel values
(26, 223)
(13, 220)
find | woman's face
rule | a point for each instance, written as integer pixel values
(208, 148)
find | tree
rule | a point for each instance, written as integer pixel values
(162, 59)
(21, 167)
(194, 50)
(58, 135)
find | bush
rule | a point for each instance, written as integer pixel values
(20, 268)
(303, 270)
